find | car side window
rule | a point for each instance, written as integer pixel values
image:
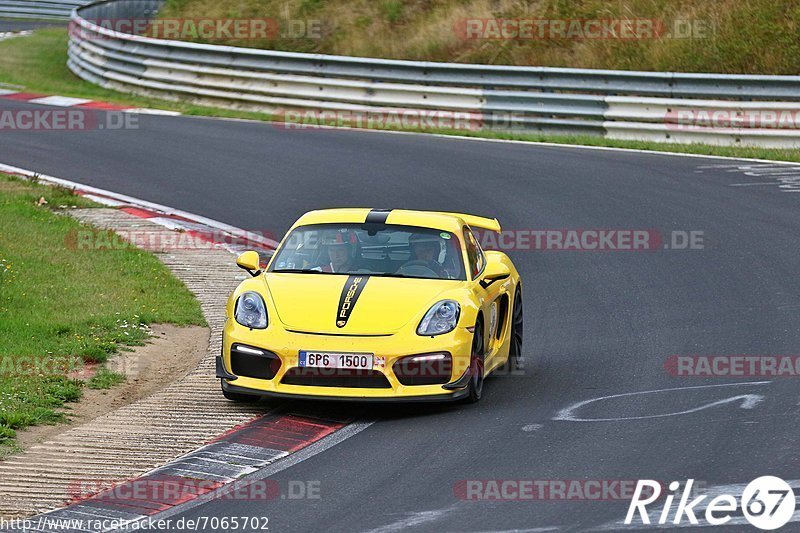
(474, 253)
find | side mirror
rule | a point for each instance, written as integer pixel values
(495, 271)
(249, 261)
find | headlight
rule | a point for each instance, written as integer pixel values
(250, 311)
(441, 318)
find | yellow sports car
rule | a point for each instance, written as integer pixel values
(373, 304)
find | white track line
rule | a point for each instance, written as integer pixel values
(148, 111)
(60, 101)
(514, 141)
(100, 195)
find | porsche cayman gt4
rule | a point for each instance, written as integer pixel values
(373, 305)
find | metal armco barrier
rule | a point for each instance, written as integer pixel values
(657, 106)
(39, 9)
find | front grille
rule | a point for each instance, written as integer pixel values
(250, 365)
(328, 377)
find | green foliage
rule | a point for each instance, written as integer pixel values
(62, 305)
(105, 379)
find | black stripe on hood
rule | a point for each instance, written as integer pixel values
(347, 301)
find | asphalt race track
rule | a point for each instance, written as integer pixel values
(598, 324)
(23, 24)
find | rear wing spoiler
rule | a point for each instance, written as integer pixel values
(474, 221)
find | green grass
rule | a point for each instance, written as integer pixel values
(38, 63)
(62, 306)
(392, 11)
(729, 36)
(105, 379)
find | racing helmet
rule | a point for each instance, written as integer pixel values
(419, 238)
(342, 237)
(425, 238)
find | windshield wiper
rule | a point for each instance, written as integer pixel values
(375, 274)
(403, 276)
(302, 271)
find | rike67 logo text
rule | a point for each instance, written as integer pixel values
(767, 503)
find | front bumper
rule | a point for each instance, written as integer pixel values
(447, 397)
(287, 345)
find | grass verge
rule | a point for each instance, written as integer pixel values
(38, 63)
(105, 379)
(728, 36)
(62, 306)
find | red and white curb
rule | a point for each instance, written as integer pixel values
(216, 470)
(78, 103)
(224, 235)
(236, 465)
(11, 34)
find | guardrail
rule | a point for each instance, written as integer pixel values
(660, 106)
(39, 9)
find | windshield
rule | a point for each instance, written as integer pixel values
(371, 249)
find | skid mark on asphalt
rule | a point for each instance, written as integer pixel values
(415, 519)
(785, 176)
(529, 530)
(748, 401)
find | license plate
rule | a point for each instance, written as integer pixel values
(357, 361)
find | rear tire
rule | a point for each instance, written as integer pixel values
(476, 369)
(238, 396)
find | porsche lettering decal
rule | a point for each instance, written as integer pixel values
(347, 301)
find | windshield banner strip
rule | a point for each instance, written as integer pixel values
(347, 301)
(377, 216)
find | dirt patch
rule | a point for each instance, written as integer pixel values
(170, 354)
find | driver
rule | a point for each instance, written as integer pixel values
(341, 251)
(425, 251)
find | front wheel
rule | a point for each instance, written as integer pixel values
(515, 349)
(476, 366)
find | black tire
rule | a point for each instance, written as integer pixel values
(517, 329)
(475, 387)
(238, 396)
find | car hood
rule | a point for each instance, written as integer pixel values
(351, 305)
